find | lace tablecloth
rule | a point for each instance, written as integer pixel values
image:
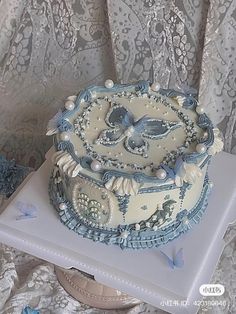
(26, 280)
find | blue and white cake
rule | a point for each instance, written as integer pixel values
(130, 166)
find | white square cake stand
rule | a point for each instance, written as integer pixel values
(143, 274)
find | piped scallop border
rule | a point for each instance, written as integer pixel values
(125, 236)
(141, 87)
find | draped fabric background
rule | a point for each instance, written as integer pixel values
(50, 49)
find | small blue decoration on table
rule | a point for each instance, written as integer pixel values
(176, 261)
(29, 310)
(27, 211)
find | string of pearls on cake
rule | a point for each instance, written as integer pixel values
(80, 123)
(200, 148)
(104, 196)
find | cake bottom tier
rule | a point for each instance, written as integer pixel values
(136, 235)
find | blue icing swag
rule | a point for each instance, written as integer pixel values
(139, 88)
(144, 238)
(124, 127)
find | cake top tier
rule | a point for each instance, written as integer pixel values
(133, 130)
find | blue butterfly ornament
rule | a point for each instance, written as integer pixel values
(124, 127)
(27, 211)
(177, 261)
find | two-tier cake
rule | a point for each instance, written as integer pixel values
(130, 166)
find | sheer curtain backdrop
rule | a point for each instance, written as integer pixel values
(50, 49)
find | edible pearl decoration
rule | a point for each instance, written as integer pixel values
(200, 148)
(137, 227)
(70, 105)
(185, 219)
(62, 206)
(200, 110)
(155, 87)
(109, 84)
(155, 228)
(211, 184)
(160, 174)
(65, 136)
(95, 165)
(124, 234)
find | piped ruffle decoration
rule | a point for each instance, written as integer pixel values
(66, 163)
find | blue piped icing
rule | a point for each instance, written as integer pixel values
(123, 202)
(190, 99)
(110, 174)
(137, 176)
(64, 125)
(140, 87)
(144, 238)
(123, 127)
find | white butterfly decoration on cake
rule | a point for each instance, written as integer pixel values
(123, 126)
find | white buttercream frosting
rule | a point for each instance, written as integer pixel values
(123, 186)
(188, 172)
(180, 100)
(66, 163)
(218, 143)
